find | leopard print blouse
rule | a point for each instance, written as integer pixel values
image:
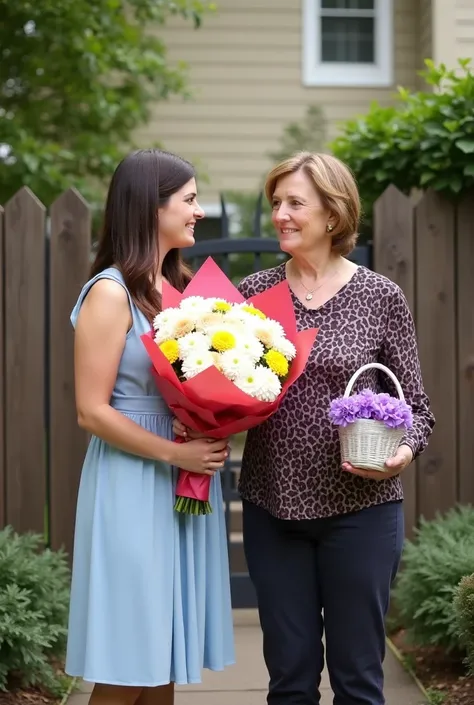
(291, 463)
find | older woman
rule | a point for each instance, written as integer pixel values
(323, 540)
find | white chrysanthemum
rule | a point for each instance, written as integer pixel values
(238, 313)
(207, 320)
(251, 346)
(235, 364)
(247, 382)
(268, 384)
(166, 318)
(193, 342)
(285, 347)
(268, 332)
(196, 362)
(172, 323)
(197, 304)
(165, 332)
(274, 327)
(235, 323)
(261, 383)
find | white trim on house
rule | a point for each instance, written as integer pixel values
(319, 73)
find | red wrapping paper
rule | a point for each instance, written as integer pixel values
(210, 403)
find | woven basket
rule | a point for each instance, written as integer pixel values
(367, 444)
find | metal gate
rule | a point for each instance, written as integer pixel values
(238, 257)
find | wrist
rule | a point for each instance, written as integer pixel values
(408, 450)
(169, 453)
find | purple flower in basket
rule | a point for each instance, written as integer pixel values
(394, 412)
(366, 402)
(344, 411)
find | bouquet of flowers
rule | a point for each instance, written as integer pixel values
(249, 349)
(223, 364)
(370, 425)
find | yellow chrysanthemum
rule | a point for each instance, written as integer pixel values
(170, 350)
(254, 311)
(223, 340)
(277, 362)
(222, 306)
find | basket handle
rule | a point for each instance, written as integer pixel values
(377, 366)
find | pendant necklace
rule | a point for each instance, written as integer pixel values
(311, 292)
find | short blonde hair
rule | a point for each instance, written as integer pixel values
(335, 185)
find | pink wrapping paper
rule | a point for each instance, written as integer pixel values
(210, 403)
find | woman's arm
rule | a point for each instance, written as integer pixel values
(101, 330)
(399, 352)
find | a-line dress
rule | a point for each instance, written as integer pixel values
(150, 597)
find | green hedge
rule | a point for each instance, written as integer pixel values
(434, 563)
(34, 600)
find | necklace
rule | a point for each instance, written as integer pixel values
(311, 292)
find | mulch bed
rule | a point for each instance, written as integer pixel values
(443, 676)
(27, 696)
(17, 695)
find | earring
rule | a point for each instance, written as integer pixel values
(329, 228)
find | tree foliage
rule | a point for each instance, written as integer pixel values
(77, 78)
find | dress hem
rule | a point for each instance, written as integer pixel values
(155, 684)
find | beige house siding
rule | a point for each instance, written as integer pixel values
(453, 31)
(245, 72)
(426, 36)
(464, 17)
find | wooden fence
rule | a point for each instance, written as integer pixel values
(43, 264)
(427, 247)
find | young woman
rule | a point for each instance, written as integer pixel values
(150, 599)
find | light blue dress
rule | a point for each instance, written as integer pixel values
(150, 596)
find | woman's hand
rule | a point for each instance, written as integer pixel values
(202, 455)
(179, 429)
(394, 465)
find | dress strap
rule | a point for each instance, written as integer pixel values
(109, 273)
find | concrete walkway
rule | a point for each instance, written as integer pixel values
(246, 682)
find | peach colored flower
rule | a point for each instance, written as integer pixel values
(183, 326)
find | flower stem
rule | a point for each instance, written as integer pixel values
(186, 505)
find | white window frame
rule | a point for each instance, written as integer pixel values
(319, 73)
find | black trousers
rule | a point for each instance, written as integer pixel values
(324, 574)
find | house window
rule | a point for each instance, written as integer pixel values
(347, 43)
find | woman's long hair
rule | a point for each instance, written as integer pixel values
(142, 183)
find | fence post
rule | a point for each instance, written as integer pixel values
(25, 422)
(394, 257)
(465, 331)
(436, 309)
(69, 267)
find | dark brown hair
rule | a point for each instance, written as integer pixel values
(337, 188)
(142, 183)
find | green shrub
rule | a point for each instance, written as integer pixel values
(34, 600)
(425, 140)
(464, 611)
(433, 564)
